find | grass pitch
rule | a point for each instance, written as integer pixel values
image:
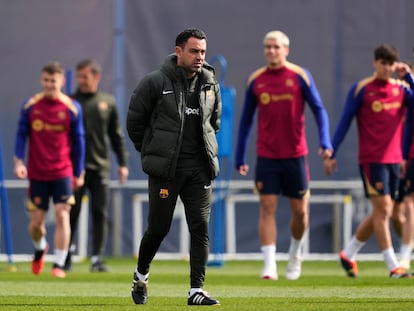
(323, 286)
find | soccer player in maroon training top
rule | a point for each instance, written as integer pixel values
(52, 123)
(279, 92)
(378, 103)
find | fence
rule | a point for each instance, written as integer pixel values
(340, 195)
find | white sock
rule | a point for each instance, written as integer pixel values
(353, 248)
(41, 244)
(60, 257)
(295, 249)
(193, 291)
(405, 252)
(142, 277)
(390, 258)
(269, 256)
(94, 259)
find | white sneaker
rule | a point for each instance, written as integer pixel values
(269, 273)
(294, 268)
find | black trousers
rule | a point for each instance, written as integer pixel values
(97, 185)
(194, 189)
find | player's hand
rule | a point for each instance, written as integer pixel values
(402, 69)
(20, 170)
(79, 181)
(325, 153)
(123, 174)
(329, 165)
(243, 169)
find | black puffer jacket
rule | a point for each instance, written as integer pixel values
(155, 117)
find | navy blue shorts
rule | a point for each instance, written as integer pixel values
(289, 177)
(40, 192)
(380, 179)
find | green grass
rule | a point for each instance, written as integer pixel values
(323, 286)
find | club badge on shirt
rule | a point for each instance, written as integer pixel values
(164, 193)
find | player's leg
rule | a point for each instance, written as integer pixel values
(38, 205)
(162, 199)
(74, 220)
(63, 198)
(398, 211)
(408, 226)
(363, 232)
(268, 234)
(99, 194)
(196, 196)
(295, 185)
(407, 232)
(267, 183)
(384, 180)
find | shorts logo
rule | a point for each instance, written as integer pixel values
(259, 185)
(379, 185)
(305, 193)
(37, 201)
(164, 193)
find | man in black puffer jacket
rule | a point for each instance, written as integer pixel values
(173, 118)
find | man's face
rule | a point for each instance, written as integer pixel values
(191, 57)
(275, 53)
(384, 69)
(86, 80)
(52, 84)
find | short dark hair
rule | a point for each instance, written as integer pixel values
(183, 36)
(53, 67)
(386, 52)
(93, 64)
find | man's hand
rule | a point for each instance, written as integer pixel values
(329, 165)
(123, 174)
(325, 153)
(20, 170)
(243, 169)
(79, 181)
(402, 69)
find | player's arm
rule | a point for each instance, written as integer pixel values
(245, 125)
(23, 126)
(78, 142)
(408, 133)
(216, 115)
(352, 104)
(142, 103)
(116, 136)
(314, 100)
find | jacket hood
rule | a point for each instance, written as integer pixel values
(170, 68)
